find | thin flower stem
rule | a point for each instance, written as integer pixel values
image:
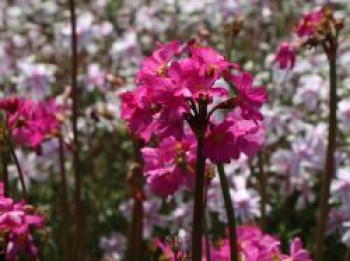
(19, 169)
(229, 211)
(198, 208)
(79, 217)
(330, 162)
(206, 228)
(5, 178)
(134, 244)
(197, 228)
(262, 189)
(347, 255)
(64, 204)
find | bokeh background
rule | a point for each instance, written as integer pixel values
(114, 36)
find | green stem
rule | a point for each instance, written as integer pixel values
(19, 169)
(206, 228)
(5, 177)
(79, 217)
(347, 255)
(135, 237)
(229, 211)
(64, 204)
(262, 189)
(198, 212)
(330, 162)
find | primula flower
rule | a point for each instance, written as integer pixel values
(253, 245)
(177, 86)
(17, 222)
(31, 123)
(248, 98)
(157, 64)
(220, 144)
(309, 22)
(174, 80)
(297, 253)
(286, 55)
(170, 165)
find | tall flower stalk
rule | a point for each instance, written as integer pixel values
(319, 29)
(64, 204)
(230, 212)
(79, 218)
(330, 48)
(135, 237)
(4, 160)
(262, 189)
(18, 165)
(198, 209)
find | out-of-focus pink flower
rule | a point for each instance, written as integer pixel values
(31, 123)
(253, 245)
(248, 98)
(297, 252)
(17, 222)
(285, 55)
(309, 22)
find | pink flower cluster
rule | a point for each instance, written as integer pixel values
(170, 165)
(31, 123)
(17, 222)
(286, 53)
(174, 85)
(253, 245)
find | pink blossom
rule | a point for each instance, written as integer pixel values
(17, 222)
(170, 165)
(308, 23)
(249, 99)
(220, 144)
(31, 123)
(286, 55)
(297, 253)
(157, 64)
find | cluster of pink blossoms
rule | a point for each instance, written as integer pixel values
(253, 245)
(17, 222)
(172, 84)
(286, 53)
(30, 122)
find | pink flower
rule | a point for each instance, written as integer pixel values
(212, 62)
(220, 144)
(249, 99)
(308, 23)
(286, 55)
(297, 253)
(157, 64)
(17, 222)
(137, 109)
(170, 165)
(31, 123)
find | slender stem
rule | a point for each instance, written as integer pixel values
(230, 211)
(19, 169)
(134, 245)
(206, 228)
(79, 218)
(330, 162)
(5, 178)
(64, 204)
(134, 250)
(262, 189)
(347, 255)
(198, 202)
